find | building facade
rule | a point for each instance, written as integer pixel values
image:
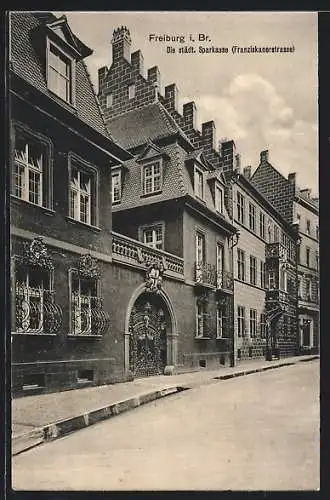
(298, 207)
(131, 254)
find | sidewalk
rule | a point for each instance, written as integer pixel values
(36, 419)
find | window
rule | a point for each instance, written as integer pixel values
(308, 289)
(253, 270)
(219, 265)
(276, 234)
(240, 208)
(262, 224)
(298, 253)
(317, 232)
(262, 274)
(60, 69)
(200, 318)
(152, 175)
(30, 174)
(109, 101)
(252, 217)
(200, 248)
(84, 300)
(308, 227)
(240, 321)
(82, 194)
(32, 286)
(271, 280)
(240, 264)
(283, 279)
(317, 264)
(300, 287)
(198, 184)
(298, 219)
(219, 199)
(131, 91)
(263, 325)
(253, 323)
(308, 253)
(116, 186)
(270, 232)
(220, 322)
(153, 236)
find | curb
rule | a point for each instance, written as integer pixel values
(50, 432)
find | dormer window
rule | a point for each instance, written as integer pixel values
(219, 195)
(198, 183)
(116, 186)
(152, 178)
(60, 70)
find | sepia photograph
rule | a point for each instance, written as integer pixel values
(164, 250)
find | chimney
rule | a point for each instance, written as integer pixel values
(172, 97)
(154, 76)
(189, 115)
(247, 172)
(208, 135)
(228, 152)
(102, 72)
(292, 178)
(121, 44)
(137, 62)
(238, 162)
(306, 192)
(264, 156)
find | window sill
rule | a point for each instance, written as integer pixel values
(48, 211)
(34, 334)
(83, 224)
(221, 338)
(73, 336)
(117, 202)
(154, 193)
(202, 338)
(57, 98)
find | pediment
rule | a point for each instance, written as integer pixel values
(150, 152)
(61, 29)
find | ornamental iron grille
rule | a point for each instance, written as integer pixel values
(35, 309)
(205, 274)
(87, 314)
(147, 348)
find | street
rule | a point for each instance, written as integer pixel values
(257, 432)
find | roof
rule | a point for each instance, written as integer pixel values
(141, 125)
(27, 62)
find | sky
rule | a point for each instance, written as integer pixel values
(262, 101)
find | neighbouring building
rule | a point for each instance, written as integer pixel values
(298, 207)
(265, 269)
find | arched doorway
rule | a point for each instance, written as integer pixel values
(149, 327)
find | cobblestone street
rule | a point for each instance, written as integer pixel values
(259, 432)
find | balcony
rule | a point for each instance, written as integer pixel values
(276, 250)
(225, 281)
(208, 276)
(136, 254)
(308, 298)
